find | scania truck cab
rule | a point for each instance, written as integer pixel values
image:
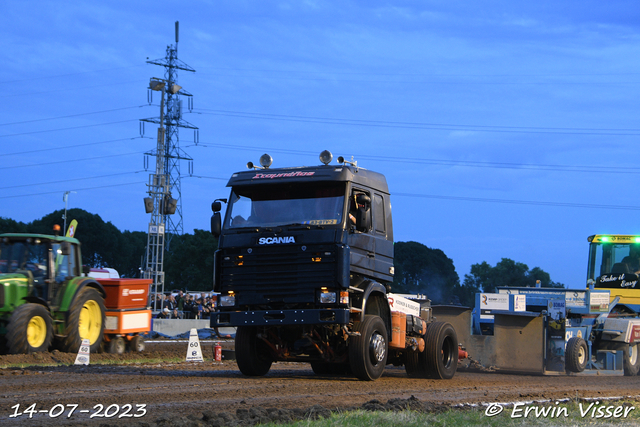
(303, 268)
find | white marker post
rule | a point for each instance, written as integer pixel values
(194, 352)
(83, 353)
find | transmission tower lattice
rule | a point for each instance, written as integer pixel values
(165, 194)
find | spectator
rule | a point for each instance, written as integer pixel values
(180, 302)
(200, 306)
(164, 314)
(190, 309)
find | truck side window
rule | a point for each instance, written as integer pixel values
(378, 212)
(360, 210)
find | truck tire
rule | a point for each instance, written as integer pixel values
(440, 357)
(252, 355)
(30, 329)
(85, 319)
(368, 351)
(576, 355)
(412, 364)
(330, 369)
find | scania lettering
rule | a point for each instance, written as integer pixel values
(304, 266)
(272, 240)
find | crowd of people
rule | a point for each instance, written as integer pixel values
(184, 306)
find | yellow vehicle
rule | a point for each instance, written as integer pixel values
(614, 265)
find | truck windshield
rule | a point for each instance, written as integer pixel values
(608, 262)
(277, 205)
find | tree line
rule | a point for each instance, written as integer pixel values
(188, 265)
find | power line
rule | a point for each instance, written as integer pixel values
(72, 160)
(74, 146)
(73, 74)
(70, 180)
(425, 126)
(73, 189)
(73, 115)
(67, 89)
(520, 202)
(69, 128)
(620, 169)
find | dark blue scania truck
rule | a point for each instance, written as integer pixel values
(303, 268)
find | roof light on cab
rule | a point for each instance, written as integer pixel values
(326, 157)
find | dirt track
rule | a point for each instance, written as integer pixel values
(176, 392)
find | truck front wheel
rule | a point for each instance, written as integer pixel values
(30, 329)
(368, 351)
(85, 320)
(252, 355)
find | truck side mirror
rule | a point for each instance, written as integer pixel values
(216, 206)
(363, 216)
(86, 269)
(216, 224)
(363, 199)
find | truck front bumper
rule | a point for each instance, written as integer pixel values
(280, 317)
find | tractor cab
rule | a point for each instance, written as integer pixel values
(37, 264)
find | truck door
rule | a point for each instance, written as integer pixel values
(382, 231)
(361, 240)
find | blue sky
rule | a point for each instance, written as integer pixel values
(505, 129)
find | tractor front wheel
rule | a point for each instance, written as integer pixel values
(30, 329)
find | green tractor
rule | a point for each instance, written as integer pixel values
(45, 301)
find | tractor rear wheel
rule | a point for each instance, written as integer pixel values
(576, 354)
(85, 319)
(252, 354)
(30, 329)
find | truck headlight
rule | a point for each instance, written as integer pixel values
(327, 297)
(228, 301)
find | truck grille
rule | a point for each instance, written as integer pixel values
(278, 274)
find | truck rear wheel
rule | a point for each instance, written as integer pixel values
(576, 354)
(440, 357)
(412, 364)
(252, 355)
(323, 368)
(368, 352)
(30, 329)
(85, 320)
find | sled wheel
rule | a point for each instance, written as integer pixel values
(30, 329)
(576, 355)
(137, 344)
(368, 352)
(252, 354)
(117, 345)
